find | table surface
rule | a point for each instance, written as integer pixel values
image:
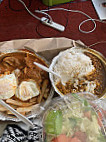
(16, 23)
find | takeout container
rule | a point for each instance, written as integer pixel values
(37, 109)
(85, 49)
(73, 117)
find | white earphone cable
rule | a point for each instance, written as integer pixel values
(77, 11)
(36, 11)
(53, 9)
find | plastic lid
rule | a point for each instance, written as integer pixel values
(73, 118)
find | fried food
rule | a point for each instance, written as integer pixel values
(22, 84)
(19, 103)
(27, 90)
(44, 87)
(8, 85)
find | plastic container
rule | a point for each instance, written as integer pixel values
(54, 2)
(73, 118)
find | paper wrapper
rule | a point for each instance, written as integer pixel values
(48, 48)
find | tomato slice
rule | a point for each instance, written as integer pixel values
(64, 138)
(61, 138)
(100, 118)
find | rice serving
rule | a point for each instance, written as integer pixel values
(77, 70)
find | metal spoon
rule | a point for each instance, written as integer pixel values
(20, 116)
(46, 69)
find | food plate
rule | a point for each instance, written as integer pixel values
(81, 69)
(24, 86)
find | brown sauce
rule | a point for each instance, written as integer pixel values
(24, 63)
(99, 74)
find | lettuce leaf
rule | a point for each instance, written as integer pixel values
(53, 122)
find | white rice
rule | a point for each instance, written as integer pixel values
(72, 65)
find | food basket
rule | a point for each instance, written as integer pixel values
(18, 65)
(73, 118)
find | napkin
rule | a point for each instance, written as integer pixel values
(14, 133)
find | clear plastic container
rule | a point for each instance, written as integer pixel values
(73, 119)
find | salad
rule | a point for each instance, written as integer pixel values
(73, 120)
